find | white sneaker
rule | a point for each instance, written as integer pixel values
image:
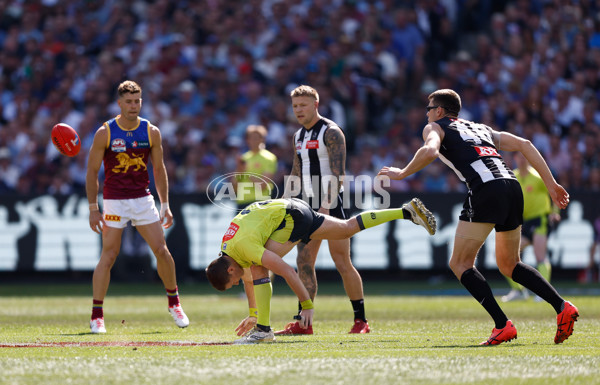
(419, 215)
(515, 295)
(179, 316)
(255, 336)
(97, 326)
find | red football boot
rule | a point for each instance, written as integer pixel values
(360, 327)
(507, 333)
(565, 320)
(293, 328)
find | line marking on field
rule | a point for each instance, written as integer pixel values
(109, 343)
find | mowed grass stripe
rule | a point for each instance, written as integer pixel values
(415, 340)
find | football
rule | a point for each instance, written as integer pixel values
(65, 139)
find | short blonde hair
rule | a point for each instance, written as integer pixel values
(257, 128)
(305, 90)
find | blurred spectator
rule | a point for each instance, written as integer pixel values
(211, 70)
(434, 179)
(189, 101)
(9, 173)
(592, 272)
(559, 160)
(255, 168)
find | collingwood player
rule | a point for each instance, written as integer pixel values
(319, 164)
(494, 201)
(320, 158)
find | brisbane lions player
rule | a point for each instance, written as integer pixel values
(126, 144)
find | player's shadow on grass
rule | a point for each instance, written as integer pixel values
(424, 346)
(90, 333)
(472, 346)
(278, 341)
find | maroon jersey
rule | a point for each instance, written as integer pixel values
(126, 160)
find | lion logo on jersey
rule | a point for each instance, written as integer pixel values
(125, 162)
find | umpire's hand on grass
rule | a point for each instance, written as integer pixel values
(306, 318)
(246, 325)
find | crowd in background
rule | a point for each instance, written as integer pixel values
(210, 68)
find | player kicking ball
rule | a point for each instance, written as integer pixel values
(261, 234)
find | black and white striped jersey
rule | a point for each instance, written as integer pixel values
(313, 157)
(468, 149)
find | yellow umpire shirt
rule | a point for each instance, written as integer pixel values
(245, 239)
(535, 195)
(263, 162)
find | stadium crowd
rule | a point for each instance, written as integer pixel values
(210, 68)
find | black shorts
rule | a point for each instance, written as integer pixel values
(499, 201)
(337, 212)
(537, 225)
(306, 220)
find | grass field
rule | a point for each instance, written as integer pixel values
(416, 339)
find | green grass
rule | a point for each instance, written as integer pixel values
(415, 340)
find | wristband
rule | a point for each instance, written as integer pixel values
(94, 207)
(163, 208)
(253, 312)
(307, 305)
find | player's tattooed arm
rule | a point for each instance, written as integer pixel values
(336, 147)
(306, 271)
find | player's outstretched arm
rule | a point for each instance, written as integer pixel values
(249, 322)
(432, 135)
(509, 142)
(273, 262)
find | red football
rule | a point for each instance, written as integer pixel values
(65, 139)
